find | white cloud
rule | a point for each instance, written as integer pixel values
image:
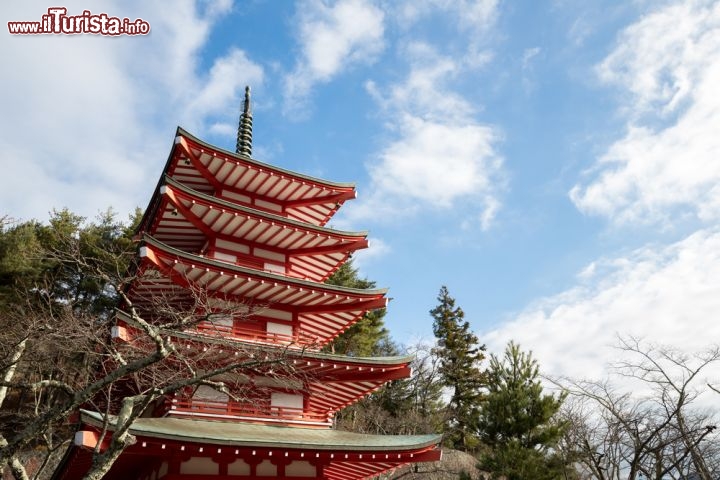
(667, 164)
(667, 295)
(473, 20)
(331, 39)
(527, 68)
(437, 162)
(528, 55)
(440, 153)
(87, 120)
(377, 248)
(224, 84)
(580, 30)
(424, 91)
(475, 15)
(218, 7)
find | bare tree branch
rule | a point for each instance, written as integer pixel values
(651, 427)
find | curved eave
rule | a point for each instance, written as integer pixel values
(236, 156)
(223, 268)
(325, 358)
(186, 219)
(206, 168)
(333, 381)
(268, 216)
(343, 455)
(252, 435)
(326, 362)
(320, 311)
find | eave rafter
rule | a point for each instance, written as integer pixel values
(190, 220)
(297, 196)
(351, 246)
(337, 198)
(360, 370)
(195, 161)
(299, 297)
(189, 216)
(364, 306)
(347, 242)
(370, 375)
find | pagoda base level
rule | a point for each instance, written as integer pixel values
(173, 448)
(171, 466)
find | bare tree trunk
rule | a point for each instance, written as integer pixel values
(121, 438)
(691, 445)
(9, 372)
(16, 467)
(103, 463)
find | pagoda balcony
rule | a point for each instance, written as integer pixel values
(321, 310)
(240, 179)
(256, 411)
(298, 341)
(314, 386)
(205, 225)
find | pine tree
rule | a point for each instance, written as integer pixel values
(26, 259)
(460, 356)
(518, 422)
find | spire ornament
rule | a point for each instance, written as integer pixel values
(244, 135)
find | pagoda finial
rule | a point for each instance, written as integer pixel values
(244, 135)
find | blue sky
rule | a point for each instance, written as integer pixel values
(555, 164)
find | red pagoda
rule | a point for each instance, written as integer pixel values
(252, 236)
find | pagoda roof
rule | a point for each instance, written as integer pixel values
(255, 435)
(219, 172)
(333, 381)
(323, 311)
(344, 455)
(326, 361)
(186, 219)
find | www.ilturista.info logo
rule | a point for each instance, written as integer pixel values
(57, 21)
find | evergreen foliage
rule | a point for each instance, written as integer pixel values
(26, 259)
(386, 410)
(18, 262)
(54, 303)
(59, 285)
(460, 356)
(518, 421)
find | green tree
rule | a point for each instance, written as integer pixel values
(59, 283)
(52, 303)
(518, 422)
(18, 242)
(368, 336)
(27, 260)
(460, 356)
